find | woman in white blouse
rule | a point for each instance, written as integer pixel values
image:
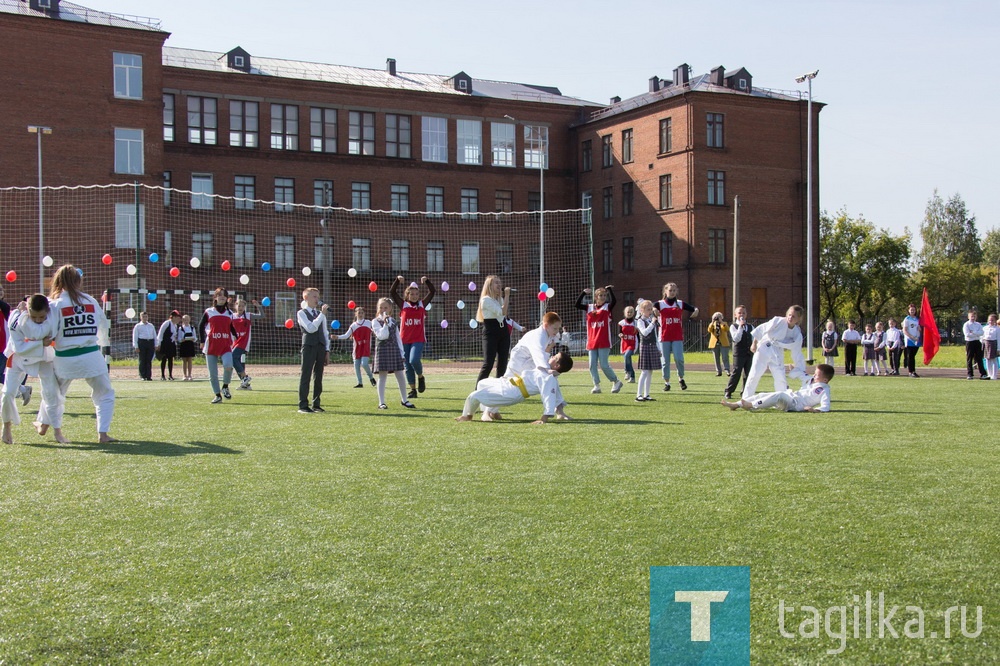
(496, 338)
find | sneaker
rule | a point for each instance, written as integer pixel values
(648, 398)
(729, 396)
(596, 389)
(217, 399)
(26, 396)
(617, 386)
(411, 394)
(421, 385)
(407, 404)
(372, 380)
(631, 380)
(242, 387)
(639, 398)
(226, 394)
(246, 380)
(359, 386)
(969, 377)
(684, 387)
(383, 406)
(304, 410)
(318, 409)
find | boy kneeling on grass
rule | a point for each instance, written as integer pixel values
(814, 396)
(505, 391)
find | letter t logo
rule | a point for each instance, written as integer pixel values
(701, 610)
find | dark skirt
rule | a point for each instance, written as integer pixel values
(869, 352)
(168, 349)
(989, 349)
(187, 349)
(649, 355)
(387, 356)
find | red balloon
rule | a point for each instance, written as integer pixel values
(372, 286)
(11, 276)
(174, 272)
(290, 282)
(289, 323)
(351, 305)
(106, 259)
(226, 265)
(542, 296)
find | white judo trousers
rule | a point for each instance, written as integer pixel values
(503, 392)
(767, 358)
(783, 400)
(12, 384)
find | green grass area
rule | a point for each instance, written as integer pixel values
(248, 533)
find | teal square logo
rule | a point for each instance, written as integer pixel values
(699, 615)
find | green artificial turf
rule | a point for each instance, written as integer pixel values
(248, 533)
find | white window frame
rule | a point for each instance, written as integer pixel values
(129, 151)
(470, 258)
(125, 225)
(434, 139)
(400, 255)
(244, 250)
(435, 256)
(285, 307)
(284, 251)
(284, 195)
(202, 187)
(128, 75)
(502, 144)
(470, 142)
(361, 254)
(536, 147)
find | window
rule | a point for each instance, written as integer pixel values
(201, 190)
(666, 135)
(607, 158)
(244, 123)
(504, 202)
(435, 139)
(505, 258)
(715, 132)
(628, 298)
(470, 142)
(125, 225)
(201, 247)
(168, 179)
(400, 199)
(470, 258)
(502, 144)
(245, 192)
(628, 253)
(168, 118)
(587, 156)
(666, 192)
(361, 133)
(628, 198)
(203, 120)
(361, 254)
(534, 201)
(322, 130)
(435, 256)
(286, 304)
(536, 147)
(626, 146)
(284, 251)
(758, 302)
(361, 196)
(608, 250)
(586, 202)
(400, 255)
(244, 250)
(717, 188)
(322, 195)
(398, 136)
(716, 246)
(323, 252)
(470, 203)
(666, 248)
(284, 127)
(609, 202)
(284, 194)
(128, 151)
(435, 201)
(128, 75)
(534, 258)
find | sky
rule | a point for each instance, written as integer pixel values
(907, 85)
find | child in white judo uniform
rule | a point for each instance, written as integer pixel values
(512, 390)
(29, 339)
(814, 396)
(769, 345)
(531, 352)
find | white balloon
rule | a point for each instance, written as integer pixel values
(195, 262)
(413, 284)
(550, 292)
(473, 323)
(428, 307)
(195, 296)
(307, 271)
(130, 269)
(47, 261)
(352, 272)
(244, 279)
(130, 313)
(303, 305)
(460, 305)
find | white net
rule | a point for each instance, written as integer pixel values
(157, 250)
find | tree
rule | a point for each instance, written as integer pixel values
(949, 232)
(991, 248)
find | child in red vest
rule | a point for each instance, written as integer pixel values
(599, 335)
(361, 332)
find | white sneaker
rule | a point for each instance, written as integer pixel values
(617, 386)
(26, 394)
(596, 389)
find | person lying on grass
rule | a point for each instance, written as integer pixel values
(504, 391)
(814, 396)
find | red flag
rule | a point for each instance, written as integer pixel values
(932, 338)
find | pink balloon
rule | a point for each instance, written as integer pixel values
(472, 286)
(444, 323)
(542, 296)
(445, 286)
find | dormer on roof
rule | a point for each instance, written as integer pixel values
(48, 6)
(238, 59)
(740, 80)
(462, 82)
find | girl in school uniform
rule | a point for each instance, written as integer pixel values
(868, 351)
(412, 315)
(389, 352)
(599, 335)
(991, 332)
(829, 343)
(880, 354)
(647, 328)
(187, 345)
(361, 333)
(166, 344)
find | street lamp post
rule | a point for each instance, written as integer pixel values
(543, 153)
(325, 223)
(39, 130)
(808, 78)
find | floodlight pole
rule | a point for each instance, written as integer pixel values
(39, 130)
(809, 215)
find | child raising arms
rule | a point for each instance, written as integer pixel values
(412, 314)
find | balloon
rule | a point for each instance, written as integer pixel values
(151, 295)
(473, 323)
(244, 279)
(290, 282)
(460, 305)
(428, 307)
(542, 296)
(543, 287)
(372, 286)
(335, 324)
(226, 265)
(131, 269)
(265, 267)
(106, 260)
(174, 272)
(351, 305)
(307, 271)
(413, 284)
(289, 323)
(130, 313)
(11, 276)
(265, 301)
(550, 292)
(195, 262)
(352, 272)
(154, 257)
(79, 272)
(195, 296)
(472, 286)
(47, 261)
(445, 286)
(444, 323)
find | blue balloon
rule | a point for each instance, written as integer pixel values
(154, 257)
(265, 267)
(265, 301)
(335, 324)
(151, 296)
(543, 287)
(79, 272)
